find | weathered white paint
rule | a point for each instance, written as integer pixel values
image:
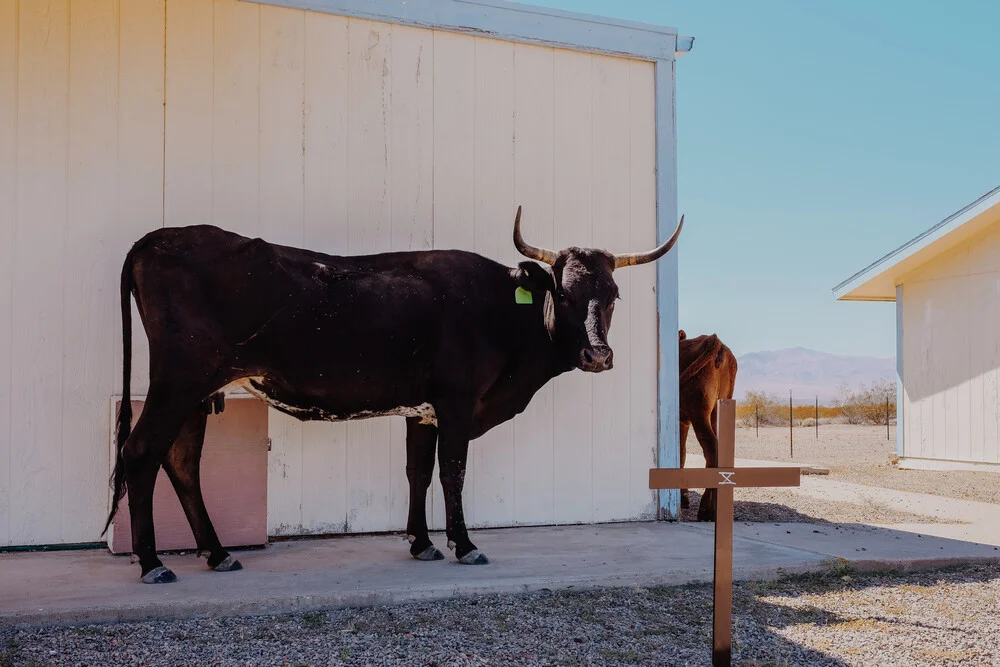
(950, 314)
(8, 217)
(344, 135)
(666, 284)
(900, 394)
(40, 229)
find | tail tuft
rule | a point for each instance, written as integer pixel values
(124, 425)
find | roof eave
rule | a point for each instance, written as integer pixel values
(878, 268)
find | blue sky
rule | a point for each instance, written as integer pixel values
(814, 137)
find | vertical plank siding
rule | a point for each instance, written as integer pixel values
(40, 228)
(91, 204)
(573, 138)
(534, 429)
(344, 135)
(323, 489)
(8, 218)
(951, 355)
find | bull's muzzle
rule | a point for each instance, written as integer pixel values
(597, 359)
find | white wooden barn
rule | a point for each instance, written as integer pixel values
(348, 126)
(946, 286)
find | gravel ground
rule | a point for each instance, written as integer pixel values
(944, 617)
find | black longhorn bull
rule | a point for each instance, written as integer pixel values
(453, 341)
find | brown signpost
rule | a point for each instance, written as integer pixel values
(724, 478)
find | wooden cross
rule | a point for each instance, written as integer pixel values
(723, 480)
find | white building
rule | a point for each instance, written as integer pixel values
(946, 286)
(357, 126)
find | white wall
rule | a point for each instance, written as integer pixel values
(951, 354)
(348, 136)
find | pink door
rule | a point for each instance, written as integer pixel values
(233, 482)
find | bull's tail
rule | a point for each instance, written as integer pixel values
(124, 425)
(713, 345)
(733, 365)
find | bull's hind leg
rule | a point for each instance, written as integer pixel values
(710, 447)
(421, 441)
(183, 467)
(684, 428)
(143, 452)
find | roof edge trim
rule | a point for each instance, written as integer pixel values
(512, 21)
(952, 222)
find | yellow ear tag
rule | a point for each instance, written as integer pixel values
(522, 295)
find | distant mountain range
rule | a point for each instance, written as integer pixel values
(807, 373)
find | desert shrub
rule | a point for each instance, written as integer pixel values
(771, 411)
(867, 405)
(808, 421)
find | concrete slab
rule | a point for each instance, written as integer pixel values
(869, 547)
(94, 586)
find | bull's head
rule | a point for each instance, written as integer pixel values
(579, 294)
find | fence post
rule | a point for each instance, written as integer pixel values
(817, 416)
(756, 414)
(887, 418)
(791, 436)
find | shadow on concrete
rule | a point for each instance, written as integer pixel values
(748, 510)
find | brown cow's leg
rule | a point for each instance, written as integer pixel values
(154, 433)
(421, 442)
(685, 426)
(453, 453)
(182, 465)
(709, 446)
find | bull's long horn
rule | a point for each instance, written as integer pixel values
(634, 259)
(541, 254)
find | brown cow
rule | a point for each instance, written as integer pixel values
(707, 374)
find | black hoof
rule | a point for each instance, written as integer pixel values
(230, 564)
(430, 553)
(474, 557)
(159, 575)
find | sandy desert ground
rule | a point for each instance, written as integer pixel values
(858, 454)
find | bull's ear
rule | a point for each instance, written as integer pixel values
(549, 315)
(539, 280)
(535, 278)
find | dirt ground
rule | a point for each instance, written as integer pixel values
(857, 454)
(863, 455)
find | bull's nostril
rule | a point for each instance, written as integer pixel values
(596, 359)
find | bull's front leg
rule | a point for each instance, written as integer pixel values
(453, 453)
(421, 441)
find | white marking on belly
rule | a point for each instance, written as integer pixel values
(425, 410)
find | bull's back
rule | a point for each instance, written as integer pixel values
(204, 292)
